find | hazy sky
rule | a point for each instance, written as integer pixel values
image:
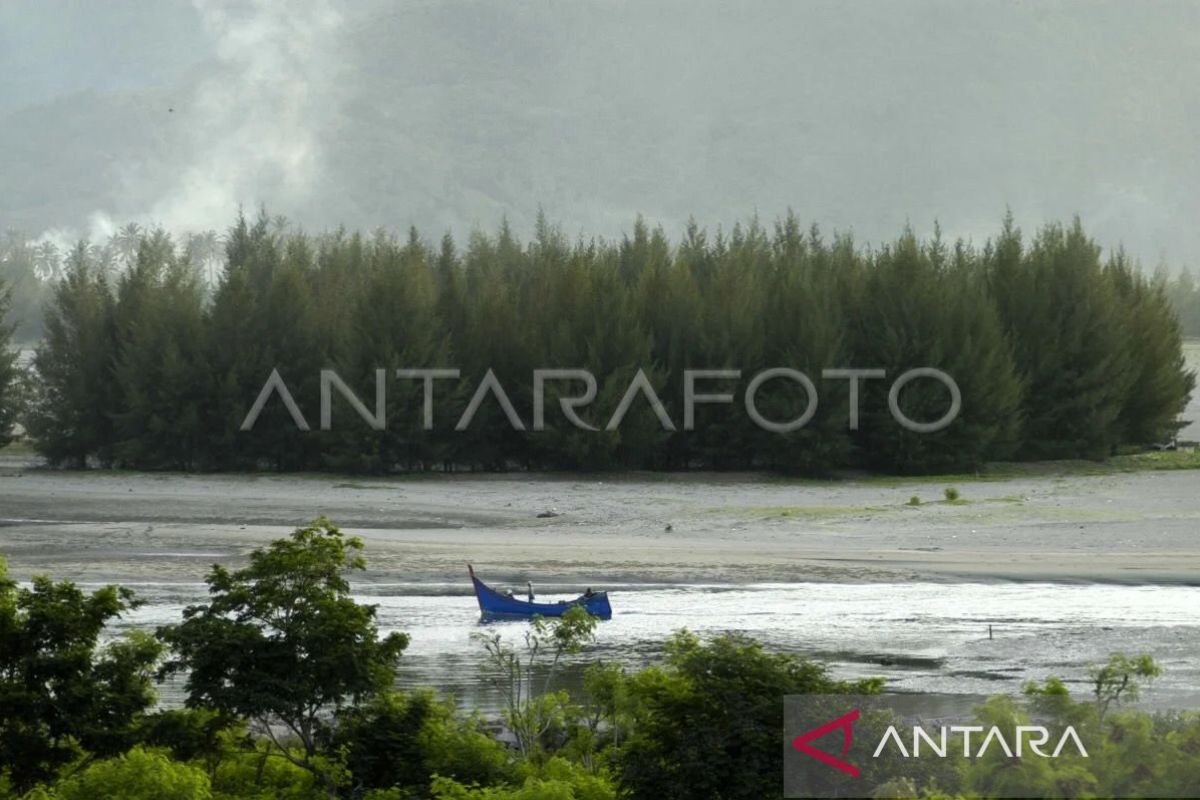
(451, 114)
(52, 48)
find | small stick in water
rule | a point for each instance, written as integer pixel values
(989, 632)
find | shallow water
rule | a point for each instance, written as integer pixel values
(1066, 569)
(920, 636)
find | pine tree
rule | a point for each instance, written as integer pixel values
(667, 297)
(805, 309)
(395, 326)
(160, 366)
(236, 371)
(291, 342)
(1077, 366)
(1161, 382)
(71, 416)
(925, 308)
(731, 335)
(609, 339)
(494, 336)
(264, 318)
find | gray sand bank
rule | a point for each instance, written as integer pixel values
(1133, 528)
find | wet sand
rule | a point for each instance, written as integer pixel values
(1136, 528)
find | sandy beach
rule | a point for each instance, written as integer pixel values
(1135, 528)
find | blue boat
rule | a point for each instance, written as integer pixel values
(494, 605)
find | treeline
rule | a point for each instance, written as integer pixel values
(27, 272)
(289, 693)
(30, 267)
(1057, 352)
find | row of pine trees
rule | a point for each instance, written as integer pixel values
(1058, 351)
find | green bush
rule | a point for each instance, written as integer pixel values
(138, 775)
(558, 779)
(257, 772)
(404, 739)
(62, 693)
(685, 744)
(188, 734)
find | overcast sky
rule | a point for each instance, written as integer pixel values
(452, 114)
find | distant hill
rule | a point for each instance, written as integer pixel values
(452, 114)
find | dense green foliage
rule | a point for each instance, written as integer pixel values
(61, 693)
(406, 740)
(707, 723)
(294, 702)
(282, 644)
(1057, 352)
(74, 394)
(136, 775)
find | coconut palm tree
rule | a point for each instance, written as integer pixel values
(204, 250)
(125, 243)
(47, 264)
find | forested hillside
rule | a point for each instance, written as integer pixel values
(450, 114)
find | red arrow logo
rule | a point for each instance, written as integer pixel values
(846, 723)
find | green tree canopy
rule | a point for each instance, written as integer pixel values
(282, 643)
(708, 722)
(74, 392)
(136, 775)
(62, 694)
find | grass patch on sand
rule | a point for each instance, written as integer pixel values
(953, 496)
(916, 501)
(18, 448)
(793, 512)
(1149, 461)
(1158, 460)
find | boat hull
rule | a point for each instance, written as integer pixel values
(494, 605)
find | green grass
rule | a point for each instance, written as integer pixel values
(20, 448)
(1137, 462)
(796, 512)
(1157, 460)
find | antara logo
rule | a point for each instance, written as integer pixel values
(846, 724)
(1033, 737)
